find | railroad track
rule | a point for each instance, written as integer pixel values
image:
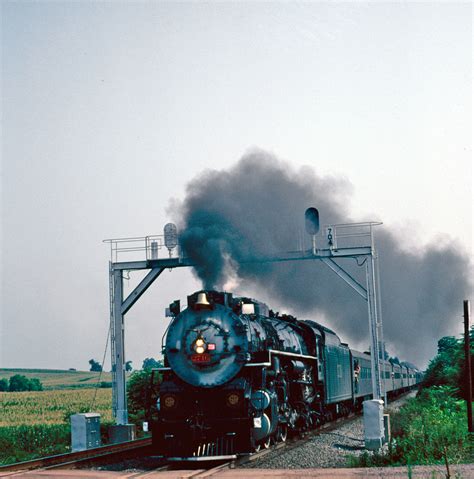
(71, 460)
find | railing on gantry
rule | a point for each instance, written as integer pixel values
(350, 235)
(140, 248)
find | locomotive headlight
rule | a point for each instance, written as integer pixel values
(200, 345)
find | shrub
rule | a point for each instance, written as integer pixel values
(428, 429)
(21, 443)
(432, 428)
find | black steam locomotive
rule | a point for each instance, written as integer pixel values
(238, 376)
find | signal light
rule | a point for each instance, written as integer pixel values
(199, 342)
(199, 349)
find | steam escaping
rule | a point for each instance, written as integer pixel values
(257, 208)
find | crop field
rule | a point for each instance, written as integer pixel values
(60, 379)
(36, 423)
(52, 407)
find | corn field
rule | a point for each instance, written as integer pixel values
(36, 423)
(52, 407)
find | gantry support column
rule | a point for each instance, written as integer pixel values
(119, 307)
(373, 325)
(118, 352)
(370, 295)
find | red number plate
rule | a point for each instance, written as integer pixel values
(201, 358)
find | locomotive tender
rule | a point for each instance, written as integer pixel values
(238, 376)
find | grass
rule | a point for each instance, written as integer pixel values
(59, 379)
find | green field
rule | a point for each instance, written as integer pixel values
(60, 379)
(52, 407)
(36, 423)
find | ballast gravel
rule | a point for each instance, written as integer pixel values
(327, 449)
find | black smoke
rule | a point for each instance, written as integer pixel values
(257, 208)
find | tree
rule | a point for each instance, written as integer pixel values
(448, 344)
(35, 384)
(151, 363)
(142, 393)
(95, 366)
(128, 366)
(19, 382)
(4, 384)
(449, 365)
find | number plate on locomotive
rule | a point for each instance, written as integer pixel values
(201, 358)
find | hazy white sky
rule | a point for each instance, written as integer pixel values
(109, 109)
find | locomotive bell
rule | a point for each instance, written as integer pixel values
(202, 300)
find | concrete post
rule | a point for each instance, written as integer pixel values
(374, 432)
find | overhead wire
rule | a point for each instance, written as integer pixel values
(101, 371)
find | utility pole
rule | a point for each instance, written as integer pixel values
(468, 376)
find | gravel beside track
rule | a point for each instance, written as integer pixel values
(327, 449)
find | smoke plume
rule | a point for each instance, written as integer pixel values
(257, 208)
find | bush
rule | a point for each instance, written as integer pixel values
(21, 443)
(433, 428)
(428, 429)
(4, 385)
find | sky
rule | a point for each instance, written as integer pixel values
(110, 109)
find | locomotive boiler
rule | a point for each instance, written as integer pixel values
(238, 377)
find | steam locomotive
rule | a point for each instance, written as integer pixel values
(238, 377)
